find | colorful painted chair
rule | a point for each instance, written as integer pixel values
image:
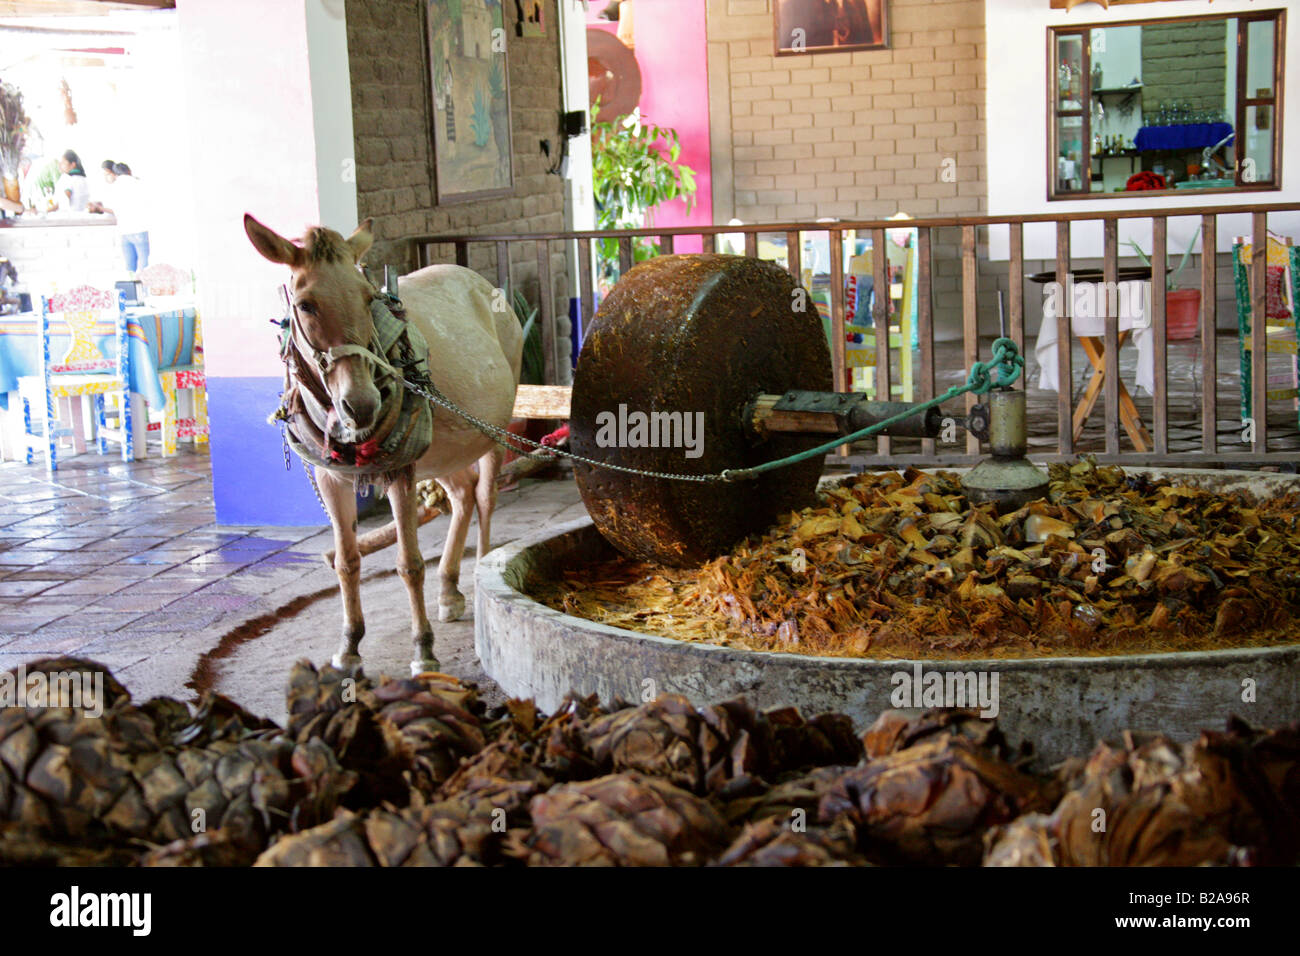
(83, 373)
(1282, 319)
(185, 411)
(860, 353)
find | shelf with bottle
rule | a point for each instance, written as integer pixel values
(1114, 145)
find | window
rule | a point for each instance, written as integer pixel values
(1179, 106)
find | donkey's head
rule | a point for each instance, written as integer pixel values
(332, 301)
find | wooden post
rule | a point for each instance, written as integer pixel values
(625, 257)
(925, 324)
(1064, 341)
(794, 255)
(462, 253)
(1259, 330)
(546, 295)
(969, 319)
(587, 305)
(1209, 339)
(1110, 280)
(1016, 298)
(503, 266)
(880, 322)
(837, 315)
(1160, 406)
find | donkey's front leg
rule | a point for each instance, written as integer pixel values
(410, 565)
(340, 499)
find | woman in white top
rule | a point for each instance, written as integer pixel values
(126, 202)
(72, 192)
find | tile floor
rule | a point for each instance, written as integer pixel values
(120, 561)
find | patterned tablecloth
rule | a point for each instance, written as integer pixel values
(162, 339)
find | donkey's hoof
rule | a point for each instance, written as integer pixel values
(424, 666)
(350, 663)
(451, 610)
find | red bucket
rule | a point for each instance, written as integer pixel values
(1182, 314)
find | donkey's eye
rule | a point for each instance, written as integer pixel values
(308, 308)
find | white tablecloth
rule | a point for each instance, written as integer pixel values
(1134, 307)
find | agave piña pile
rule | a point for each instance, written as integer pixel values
(417, 772)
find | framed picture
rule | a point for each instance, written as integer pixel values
(470, 86)
(826, 26)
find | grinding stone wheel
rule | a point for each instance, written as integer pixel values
(695, 333)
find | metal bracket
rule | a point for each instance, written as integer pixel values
(798, 400)
(977, 422)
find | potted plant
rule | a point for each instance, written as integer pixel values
(532, 367)
(1182, 306)
(634, 168)
(13, 137)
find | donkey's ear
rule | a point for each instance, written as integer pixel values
(361, 240)
(271, 244)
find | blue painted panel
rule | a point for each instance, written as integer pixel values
(249, 483)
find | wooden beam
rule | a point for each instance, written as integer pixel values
(543, 401)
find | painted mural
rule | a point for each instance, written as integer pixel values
(471, 99)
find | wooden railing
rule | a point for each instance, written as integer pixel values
(968, 227)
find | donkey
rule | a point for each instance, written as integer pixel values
(474, 355)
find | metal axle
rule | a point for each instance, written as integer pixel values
(835, 413)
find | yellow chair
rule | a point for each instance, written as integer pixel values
(185, 410)
(860, 353)
(1282, 323)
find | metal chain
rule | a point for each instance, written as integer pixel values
(545, 452)
(310, 472)
(284, 442)
(1007, 362)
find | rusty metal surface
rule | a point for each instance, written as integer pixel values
(695, 334)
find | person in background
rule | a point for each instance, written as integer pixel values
(126, 203)
(71, 192)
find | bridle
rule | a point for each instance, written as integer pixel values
(326, 359)
(404, 426)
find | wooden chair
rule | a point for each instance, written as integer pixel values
(83, 373)
(1282, 321)
(860, 355)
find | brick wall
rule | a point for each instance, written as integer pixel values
(856, 135)
(1184, 62)
(391, 116)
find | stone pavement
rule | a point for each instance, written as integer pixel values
(124, 563)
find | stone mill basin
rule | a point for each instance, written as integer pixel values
(1062, 705)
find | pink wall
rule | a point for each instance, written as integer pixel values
(672, 52)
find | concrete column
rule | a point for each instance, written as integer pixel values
(268, 93)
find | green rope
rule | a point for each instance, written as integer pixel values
(1007, 362)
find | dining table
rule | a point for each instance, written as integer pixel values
(1090, 302)
(161, 333)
